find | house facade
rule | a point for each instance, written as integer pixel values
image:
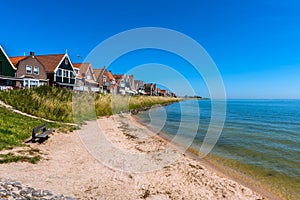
(7, 70)
(140, 88)
(106, 80)
(85, 79)
(112, 84)
(59, 70)
(102, 79)
(30, 71)
(150, 89)
(124, 84)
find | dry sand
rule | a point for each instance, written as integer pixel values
(69, 169)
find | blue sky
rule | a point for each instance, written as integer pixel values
(255, 44)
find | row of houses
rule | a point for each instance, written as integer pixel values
(58, 70)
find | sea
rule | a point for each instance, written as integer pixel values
(259, 142)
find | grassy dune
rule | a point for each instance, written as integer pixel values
(14, 130)
(59, 104)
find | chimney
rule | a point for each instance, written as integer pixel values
(31, 54)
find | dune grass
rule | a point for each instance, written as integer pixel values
(15, 129)
(61, 105)
(45, 102)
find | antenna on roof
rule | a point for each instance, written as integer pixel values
(66, 51)
(24, 53)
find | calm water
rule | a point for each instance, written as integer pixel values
(260, 138)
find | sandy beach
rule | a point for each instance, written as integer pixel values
(68, 168)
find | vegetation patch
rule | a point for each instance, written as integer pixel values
(16, 128)
(11, 157)
(59, 104)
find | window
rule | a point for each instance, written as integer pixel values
(33, 83)
(76, 71)
(88, 75)
(36, 70)
(71, 74)
(26, 83)
(59, 72)
(66, 73)
(28, 69)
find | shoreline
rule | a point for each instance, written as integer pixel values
(219, 169)
(67, 162)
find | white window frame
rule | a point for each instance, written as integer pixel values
(38, 70)
(30, 69)
(66, 73)
(57, 73)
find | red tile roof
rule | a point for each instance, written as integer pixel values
(15, 60)
(97, 73)
(83, 68)
(50, 62)
(110, 76)
(118, 76)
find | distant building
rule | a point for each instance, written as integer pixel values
(125, 84)
(101, 76)
(140, 88)
(85, 79)
(150, 89)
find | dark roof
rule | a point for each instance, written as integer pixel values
(50, 62)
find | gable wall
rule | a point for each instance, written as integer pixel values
(7, 69)
(21, 68)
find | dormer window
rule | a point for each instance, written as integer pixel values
(28, 69)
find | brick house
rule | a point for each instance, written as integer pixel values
(106, 80)
(30, 70)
